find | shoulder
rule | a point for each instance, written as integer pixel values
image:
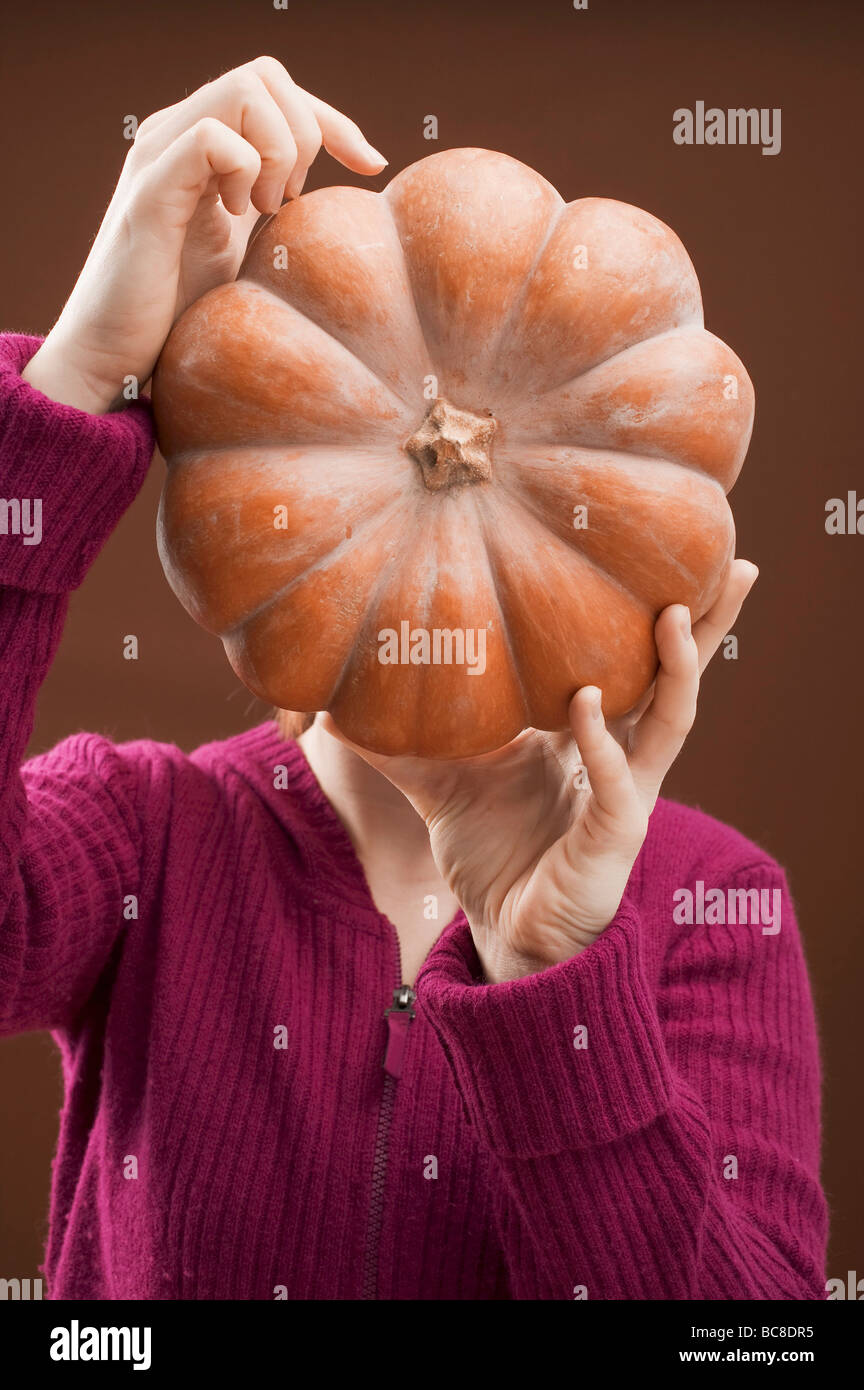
(159, 779)
(135, 779)
(83, 754)
(144, 759)
(140, 779)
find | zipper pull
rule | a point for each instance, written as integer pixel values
(399, 1017)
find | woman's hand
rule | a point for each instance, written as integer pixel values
(192, 188)
(538, 861)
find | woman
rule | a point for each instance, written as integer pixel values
(581, 1095)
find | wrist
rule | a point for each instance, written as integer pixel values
(500, 964)
(54, 371)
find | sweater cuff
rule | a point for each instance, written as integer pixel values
(66, 477)
(565, 1058)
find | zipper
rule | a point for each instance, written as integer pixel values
(398, 1019)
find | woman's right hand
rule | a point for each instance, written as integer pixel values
(192, 188)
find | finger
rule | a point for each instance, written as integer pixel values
(208, 151)
(242, 101)
(658, 738)
(264, 126)
(345, 140)
(262, 122)
(714, 626)
(616, 801)
(296, 108)
(239, 99)
(225, 97)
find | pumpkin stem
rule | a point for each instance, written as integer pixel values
(453, 446)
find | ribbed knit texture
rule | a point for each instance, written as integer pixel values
(505, 1162)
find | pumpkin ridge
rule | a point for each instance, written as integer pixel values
(205, 450)
(371, 613)
(517, 445)
(522, 499)
(693, 365)
(622, 352)
(283, 300)
(380, 517)
(409, 280)
(525, 505)
(494, 569)
(370, 601)
(483, 526)
(519, 301)
(370, 447)
(363, 485)
(637, 605)
(469, 501)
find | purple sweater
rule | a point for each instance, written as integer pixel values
(640, 1122)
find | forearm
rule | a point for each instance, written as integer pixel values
(76, 471)
(652, 1217)
(65, 477)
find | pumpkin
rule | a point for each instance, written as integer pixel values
(440, 455)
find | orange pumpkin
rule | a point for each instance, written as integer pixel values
(440, 455)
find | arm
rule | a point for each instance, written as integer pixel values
(675, 1155)
(68, 838)
(193, 186)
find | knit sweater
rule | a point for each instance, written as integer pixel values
(638, 1122)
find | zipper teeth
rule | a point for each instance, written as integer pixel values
(379, 1166)
(379, 1174)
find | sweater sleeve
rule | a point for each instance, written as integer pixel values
(652, 1144)
(69, 839)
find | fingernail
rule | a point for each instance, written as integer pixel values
(597, 705)
(376, 154)
(685, 626)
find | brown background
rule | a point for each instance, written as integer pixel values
(586, 97)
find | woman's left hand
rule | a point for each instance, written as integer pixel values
(538, 860)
